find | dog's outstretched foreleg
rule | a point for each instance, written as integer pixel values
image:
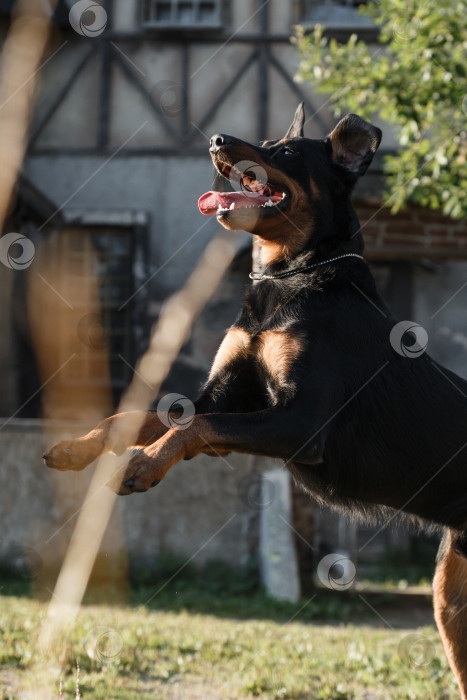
(270, 433)
(135, 428)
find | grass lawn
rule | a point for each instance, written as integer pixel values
(190, 643)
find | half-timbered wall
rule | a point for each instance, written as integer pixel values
(131, 111)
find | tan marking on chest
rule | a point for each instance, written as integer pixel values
(277, 351)
(234, 345)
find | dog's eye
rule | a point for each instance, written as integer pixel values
(288, 151)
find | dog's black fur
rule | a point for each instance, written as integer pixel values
(359, 425)
(308, 372)
(362, 426)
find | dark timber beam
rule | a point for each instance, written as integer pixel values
(263, 75)
(136, 82)
(62, 93)
(214, 106)
(312, 112)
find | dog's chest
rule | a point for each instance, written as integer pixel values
(272, 352)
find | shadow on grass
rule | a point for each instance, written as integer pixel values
(172, 585)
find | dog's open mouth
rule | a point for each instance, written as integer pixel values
(252, 194)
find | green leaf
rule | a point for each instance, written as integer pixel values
(416, 81)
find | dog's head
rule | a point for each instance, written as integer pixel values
(293, 193)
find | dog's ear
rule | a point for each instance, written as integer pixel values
(354, 142)
(295, 130)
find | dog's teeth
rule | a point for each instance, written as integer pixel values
(232, 206)
(269, 203)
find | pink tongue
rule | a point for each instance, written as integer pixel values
(210, 202)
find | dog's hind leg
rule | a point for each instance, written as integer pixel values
(450, 604)
(134, 428)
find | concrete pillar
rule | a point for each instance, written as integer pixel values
(278, 560)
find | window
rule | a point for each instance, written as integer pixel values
(89, 297)
(335, 13)
(97, 332)
(183, 14)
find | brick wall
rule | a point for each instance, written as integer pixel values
(413, 233)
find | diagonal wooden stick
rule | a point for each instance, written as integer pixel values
(21, 65)
(170, 333)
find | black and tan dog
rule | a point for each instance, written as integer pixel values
(311, 372)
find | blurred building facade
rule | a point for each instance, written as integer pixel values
(118, 150)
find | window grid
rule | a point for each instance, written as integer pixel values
(310, 5)
(200, 13)
(98, 257)
(334, 10)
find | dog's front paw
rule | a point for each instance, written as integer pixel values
(139, 472)
(147, 467)
(72, 455)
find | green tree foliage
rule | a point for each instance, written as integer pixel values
(415, 79)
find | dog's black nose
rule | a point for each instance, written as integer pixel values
(219, 141)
